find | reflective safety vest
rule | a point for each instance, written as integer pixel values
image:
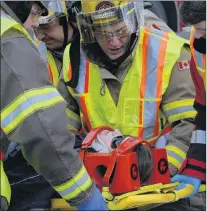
(138, 110)
(5, 186)
(8, 22)
(49, 60)
(5, 189)
(199, 58)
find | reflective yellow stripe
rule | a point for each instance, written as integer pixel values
(177, 150)
(178, 103)
(202, 188)
(175, 156)
(74, 121)
(66, 61)
(79, 183)
(184, 115)
(7, 22)
(179, 109)
(73, 115)
(26, 104)
(72, 129)
(174, 162)
(78, 191)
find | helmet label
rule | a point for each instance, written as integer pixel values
(104, 5)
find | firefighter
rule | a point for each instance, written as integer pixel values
(115, 62)
(33, 112)
(194, 170)
(130, 77)
(56, 30)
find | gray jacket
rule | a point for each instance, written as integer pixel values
(33, 115)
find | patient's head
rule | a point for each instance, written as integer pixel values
(144, 158)
(107, 141)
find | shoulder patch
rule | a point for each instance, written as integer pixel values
(184, 65)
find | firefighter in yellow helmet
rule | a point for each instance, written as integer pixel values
(131, 78)
(33, 112)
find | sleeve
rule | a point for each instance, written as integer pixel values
(151, 20)
(177, 104)
(195, 165)
(33, 115)
(72, 110)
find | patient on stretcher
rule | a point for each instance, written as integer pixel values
(107, 141)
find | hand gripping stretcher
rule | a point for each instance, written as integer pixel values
(120, 183)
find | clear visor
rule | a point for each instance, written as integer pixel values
(50, 19)
(56, 9)
(103, 25)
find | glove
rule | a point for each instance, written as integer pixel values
(95, 202)
(184, 179)
(3, 204)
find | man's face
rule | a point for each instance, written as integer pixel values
(52, 34)
(200, 30)
(117, 45)
(32, 20)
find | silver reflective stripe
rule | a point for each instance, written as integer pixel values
(73, 187)
(148, 132)
(175, 155)
(151, 84)
(199, 59)
(151, 67)
(179, 110)
(82, 75)
(198, 137)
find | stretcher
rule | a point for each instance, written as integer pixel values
(157, 191)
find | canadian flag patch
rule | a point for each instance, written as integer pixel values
(184, 65)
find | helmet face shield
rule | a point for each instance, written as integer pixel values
(105, 23)
(56, 9)
(50, 19)
(58, 6)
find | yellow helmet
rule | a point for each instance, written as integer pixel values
(106, 17)
(92, 6)
(103, 13)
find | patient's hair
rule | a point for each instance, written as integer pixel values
(144, 159)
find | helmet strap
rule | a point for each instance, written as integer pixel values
(64, 23)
